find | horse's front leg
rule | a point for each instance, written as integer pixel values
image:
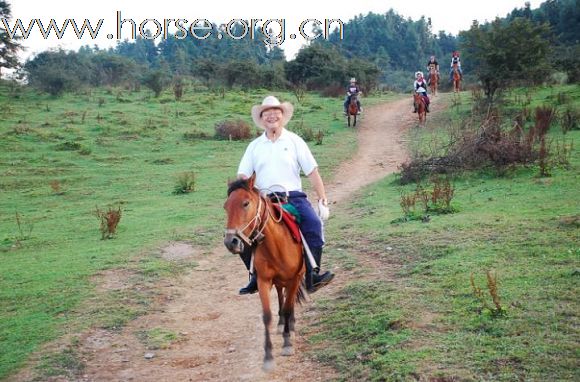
(281, 320)
(291, 292)
(264, 287)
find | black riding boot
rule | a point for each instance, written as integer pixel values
(315, 280)
(415, 106)
(427, 108)
(252, 286)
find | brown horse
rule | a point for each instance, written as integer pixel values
(433, 79)
(456, 79)
(253, 222)
(352, 109)
(421, 108)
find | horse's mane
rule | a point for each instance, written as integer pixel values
(237, 184)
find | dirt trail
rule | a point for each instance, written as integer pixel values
(221, 333)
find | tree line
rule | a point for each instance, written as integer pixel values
(376, 49)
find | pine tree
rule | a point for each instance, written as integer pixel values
(9, 47)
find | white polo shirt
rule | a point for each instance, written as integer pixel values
(277, 164)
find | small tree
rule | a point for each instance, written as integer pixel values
(178, 87)
(156, 81)
(503, 54)
(57, 71)
(9, 47)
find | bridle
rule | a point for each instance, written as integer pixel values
(258, 224)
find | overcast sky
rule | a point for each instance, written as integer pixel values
(448, 15)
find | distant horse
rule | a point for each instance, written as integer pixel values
(421, 107)
(253, 222)
(456, 79)
(352, 109)
(433, 79)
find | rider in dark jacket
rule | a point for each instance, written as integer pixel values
(352, 89)
(432, 61)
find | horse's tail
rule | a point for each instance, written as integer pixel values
(302, 294)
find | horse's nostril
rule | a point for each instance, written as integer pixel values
(235, 241)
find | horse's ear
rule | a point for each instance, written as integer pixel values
(252, 180)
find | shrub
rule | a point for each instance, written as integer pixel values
(436, 201)
(69, 146)
(492, 286)
(109, 220)
(195, 134)
(178, 87)
(489, 144)
(233, 130)
(569, 120)
(185, 183)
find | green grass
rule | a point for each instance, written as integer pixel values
(61, 158)
(157, 338)
(521, 227)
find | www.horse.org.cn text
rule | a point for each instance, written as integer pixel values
(272, 32)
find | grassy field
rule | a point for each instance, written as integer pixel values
(413, 311)
(62, 158)
(421, 308)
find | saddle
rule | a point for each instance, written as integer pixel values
(291, 218)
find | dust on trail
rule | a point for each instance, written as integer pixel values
(220, 334)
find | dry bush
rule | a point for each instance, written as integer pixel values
(544, 117)
(421, 167)
(437, 201)
(319, 137)
(109, 220)
(56, 187)
(441, 196)
(233, 130)
(408, 203)
(492, 287)
(489, 145)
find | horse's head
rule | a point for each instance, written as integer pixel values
(244, 208)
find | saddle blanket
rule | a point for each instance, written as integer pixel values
(290, 220)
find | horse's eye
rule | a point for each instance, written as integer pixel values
(246, 203)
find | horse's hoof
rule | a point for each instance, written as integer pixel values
(287, 350)
(268, 365)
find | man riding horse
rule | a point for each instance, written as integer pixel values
(420, 86)
(277, 157)
(352, 89)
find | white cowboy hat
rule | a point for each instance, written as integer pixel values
(417, 74)
(353, 79)
(271, 102)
